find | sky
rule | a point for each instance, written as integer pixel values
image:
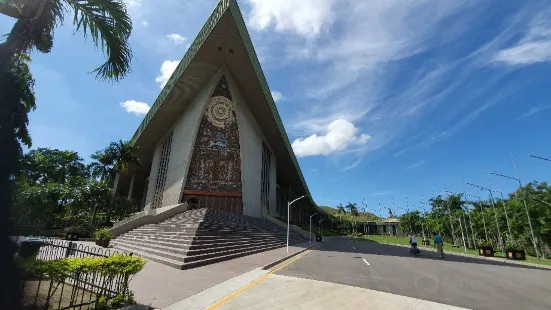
(384, 101)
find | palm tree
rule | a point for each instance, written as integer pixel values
(340, 209)
(114, 158)
(106, 22)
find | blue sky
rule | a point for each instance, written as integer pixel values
(382, 99)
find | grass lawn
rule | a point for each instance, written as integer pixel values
(447, 247)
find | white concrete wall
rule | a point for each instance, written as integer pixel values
(184, 134)
(251, 139)
(153, 176)
(273, 182)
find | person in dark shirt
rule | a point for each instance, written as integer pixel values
(439, 245)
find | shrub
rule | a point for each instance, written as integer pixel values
(110, 267)
(484, 244)
(103, 234)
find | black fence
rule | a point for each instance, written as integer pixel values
(57, 248)
(78, 290)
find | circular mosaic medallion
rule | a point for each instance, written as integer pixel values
(220, 111)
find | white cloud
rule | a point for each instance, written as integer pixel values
(176, 38)
(535, 110)
(534, 47)
(415, 165)
(277, 96)
(145, 23)
(167, 68)
(338, 136)
(307, 18)
(135, 107)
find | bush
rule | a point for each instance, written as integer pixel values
(103, 234)
(485, 244)
(110, 267)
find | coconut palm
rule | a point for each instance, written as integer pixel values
(340, 209)
(105, 21)
(117, 157)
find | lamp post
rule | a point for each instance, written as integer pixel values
(495, 215)
(311, 226)
(460, 223)
(289, 217)
(321, 232)
(482, 212)
(523, 200)
(506, 215)
(538, 157)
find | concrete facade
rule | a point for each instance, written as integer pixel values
(184, 133)
(222, 47)
(183, 139)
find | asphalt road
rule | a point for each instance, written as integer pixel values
(459, 281)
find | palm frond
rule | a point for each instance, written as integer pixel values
(109, 26)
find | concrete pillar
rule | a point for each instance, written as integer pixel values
(131, 189)
(116, 183)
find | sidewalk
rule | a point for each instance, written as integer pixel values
(159, 286)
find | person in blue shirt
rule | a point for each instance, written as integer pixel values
(439, 245)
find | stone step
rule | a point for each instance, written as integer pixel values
(198, 250)
(204, 234)
(156, 258)
(193, 244)
(197, 242)
(199, 263)
(190, 256)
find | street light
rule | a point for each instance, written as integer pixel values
(525, 205)
(460, 224)
(506, 216)
(289, 217)
(495, 215)
(321, 231)
(469, 215)
(311, 226)
(538, 157)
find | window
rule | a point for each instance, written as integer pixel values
(161, 173)
(265, 177)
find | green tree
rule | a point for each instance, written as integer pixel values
(341, 209)
(116, 157)
(44, 165)
(411, 222)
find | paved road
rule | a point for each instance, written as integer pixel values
(460, 281)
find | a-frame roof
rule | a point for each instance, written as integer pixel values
(223, 40)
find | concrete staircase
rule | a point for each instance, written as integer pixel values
(204, 236)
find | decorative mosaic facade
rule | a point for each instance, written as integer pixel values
(214, 175)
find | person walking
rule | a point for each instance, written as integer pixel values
(439, 245)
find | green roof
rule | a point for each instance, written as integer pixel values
(214, 18)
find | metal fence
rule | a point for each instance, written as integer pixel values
(79, 290)
(57, 248)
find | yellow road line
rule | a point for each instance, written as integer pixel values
(244, 288)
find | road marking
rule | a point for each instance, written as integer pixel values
(366, 262)
(246, 287)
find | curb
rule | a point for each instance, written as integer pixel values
(495, 259)
(270, 265)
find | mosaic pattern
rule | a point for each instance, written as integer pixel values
(216, 163)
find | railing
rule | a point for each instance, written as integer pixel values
(77, 290)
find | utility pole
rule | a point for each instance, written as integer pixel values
(460, 224)
(495, 212)
(493, 206)
(468, 215)
(483, 217)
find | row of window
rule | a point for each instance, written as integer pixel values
(161, 173)
(265, 177)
